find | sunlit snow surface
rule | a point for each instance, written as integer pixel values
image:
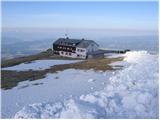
(39, 65)
(128, 93)
(54, 87)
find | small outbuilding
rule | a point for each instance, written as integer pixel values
(96, 54)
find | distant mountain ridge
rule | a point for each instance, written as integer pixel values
(13, 47)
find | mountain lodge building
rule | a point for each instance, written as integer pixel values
(75, 48)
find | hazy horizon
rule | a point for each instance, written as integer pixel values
(45, 33)
(110, 18)
(120, 25)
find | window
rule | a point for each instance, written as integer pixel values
(80, 50)
(61, 52)
(70, 54)
(66, 53)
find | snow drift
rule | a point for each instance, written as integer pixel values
(130, 93)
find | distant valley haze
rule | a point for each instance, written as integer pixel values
(111, 24)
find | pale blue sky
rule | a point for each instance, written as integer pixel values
(99, 15)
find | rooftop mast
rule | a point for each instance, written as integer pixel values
(66, 33)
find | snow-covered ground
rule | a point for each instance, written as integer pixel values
(39, 65)
(113, 55)
(54, 87)
(128, 93)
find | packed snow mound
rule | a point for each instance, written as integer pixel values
(39, 65)
(137, 57)
(68, 109)
(113, 55)
(130, 93)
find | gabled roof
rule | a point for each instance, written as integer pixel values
(81, 43)
(85, 43)
(67, 40)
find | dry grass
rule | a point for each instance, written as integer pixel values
(43, 55)
(10, 79)
(96, 64)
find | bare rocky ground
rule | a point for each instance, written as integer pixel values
(10, 79)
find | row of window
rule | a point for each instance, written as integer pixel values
(80, 50)
(66, 53)
(68, 44)
(65, 48)
(81, 55)
(69, 53)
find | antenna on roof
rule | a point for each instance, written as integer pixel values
(66, 33)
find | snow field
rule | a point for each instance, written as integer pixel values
(130, 93)
(59, 86)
